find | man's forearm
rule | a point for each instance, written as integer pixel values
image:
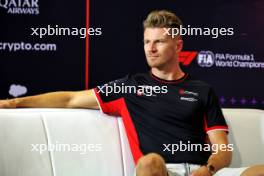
(47, 100)
(69, 99)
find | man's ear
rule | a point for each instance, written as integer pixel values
(179, 45)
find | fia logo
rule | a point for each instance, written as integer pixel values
(205, 59)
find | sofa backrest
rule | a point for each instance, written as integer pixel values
(97, 142)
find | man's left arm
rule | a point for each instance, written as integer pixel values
(222, 155)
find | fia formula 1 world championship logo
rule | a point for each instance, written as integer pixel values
(29, 7)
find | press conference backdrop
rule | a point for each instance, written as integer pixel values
(31, 64)
(232, 64)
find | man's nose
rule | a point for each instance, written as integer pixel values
(152, 47)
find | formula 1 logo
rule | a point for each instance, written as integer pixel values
(186, 57)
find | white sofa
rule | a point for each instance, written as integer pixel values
(24, 131)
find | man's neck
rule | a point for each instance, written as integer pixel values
(169, 74)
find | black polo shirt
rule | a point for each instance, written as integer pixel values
(160, 115)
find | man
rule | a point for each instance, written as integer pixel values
(161, 109)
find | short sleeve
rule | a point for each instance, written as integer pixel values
(214, 118)
(110, 96)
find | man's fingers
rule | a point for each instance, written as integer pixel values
(2, 104)
(5, 104)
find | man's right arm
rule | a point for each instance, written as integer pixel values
(78, 99)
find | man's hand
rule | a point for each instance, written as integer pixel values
(202, 171)
(7, 104)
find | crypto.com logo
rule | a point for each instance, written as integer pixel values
(29, 7)
(186, 57)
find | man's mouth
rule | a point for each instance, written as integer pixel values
(153, 56)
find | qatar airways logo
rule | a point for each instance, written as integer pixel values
(26, 7)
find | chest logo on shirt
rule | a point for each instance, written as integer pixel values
(183, 92)
(186, 92)
(191, 99)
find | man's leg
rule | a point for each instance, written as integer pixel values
(151, 165)
(257, 170)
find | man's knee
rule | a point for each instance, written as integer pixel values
(153, 164)
(257, 170)
(151, 159)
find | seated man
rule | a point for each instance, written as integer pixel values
(161, 110)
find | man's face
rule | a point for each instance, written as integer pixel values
(160, 48)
